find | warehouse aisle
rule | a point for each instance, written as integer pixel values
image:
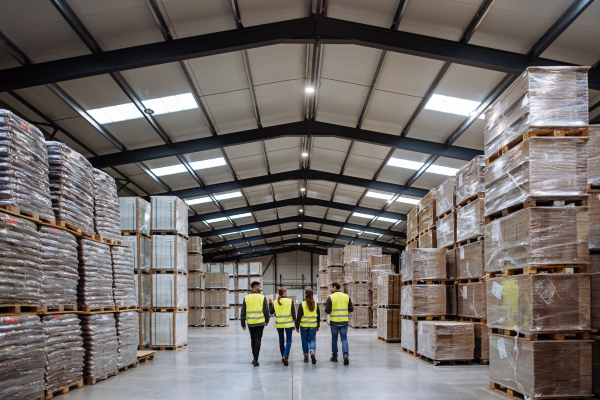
(217, 366)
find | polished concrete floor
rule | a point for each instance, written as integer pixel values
(217, 366)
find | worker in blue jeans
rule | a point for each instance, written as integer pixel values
(308, 323)
(285, 316)
(338, 306)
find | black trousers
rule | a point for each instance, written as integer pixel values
(255, 338)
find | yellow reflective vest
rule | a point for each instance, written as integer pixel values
(309, 318)
(283, 313)
(254, 308)
(339, 307)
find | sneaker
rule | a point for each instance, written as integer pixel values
(333, 359)
(346, 361)
(255, 363)
(306, 358)
(313, 357)
(282, 359)
(285, 361)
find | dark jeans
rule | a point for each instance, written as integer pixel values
(285, 345)
(255, 338)
(342, 331)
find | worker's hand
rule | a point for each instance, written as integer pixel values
(317, 329)
(297, 330)
(266, 324)
(243, 327)
(270, 300)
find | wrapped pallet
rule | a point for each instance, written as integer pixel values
(451, 260)
(335, 257)
(446, 231)
(428, 240)
(100, 344)
(425, 264)
(427, 201)
(169, 291)
(229, 268)
(388, 324)
(169, 214)
(470, 220)
(22, 357)
(243, 284)
(196, 317)
(323, 263)
(542, 369)
(469, 260)
(482, 342)
(322, 295)
(144, 282)
(242, 269)
(539, 303)
(356, 271)
(596, 367)
(413, 245)
(142, 251)
(194, 244)
(145, 329)
(60, 274)
(71, 187)
(359, 318)
(379, 262)
(107, 217)
(425, 300)
(135, 215)
(594, 220)
(64, 350)
(408, 333)
(216, 298)
(373, 317)
(255, 268)
(446, 197)
(412, 224)
(427, 218)
(352, 253)
(537, 236)
(232, 284)
(95, 287)
(219, 280)
(472, 300)
(369, 251)
(169, 253)
(358, 293)
(194, 263)
(128, 325)
(335, 274)
(196, 298)
(389, 290)
(216, 317)
(215, 267)
(541, 97)
(594, 156)
(123, 276)
(470, 180)
(446, 340)
(169, 329)
(323, 278)
(541, 167)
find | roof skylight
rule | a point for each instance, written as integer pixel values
(196, 165)
(452, 105)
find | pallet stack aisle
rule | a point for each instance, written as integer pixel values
(427, 237)
(356, 285)
(594, 246)
(377, 264)
(335, 267)
(195, 282)
(216, 299)
(537, 236)
(234, 310)
(242, 281)
(389, 295)
(323, 290)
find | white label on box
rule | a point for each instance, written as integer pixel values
(460, 180)
(497, 290)
(168, 200)
(462, 253)
(131, 200)
(496, 231)
(464, 292)
(167, 315)
(501, 348)
(168, 238)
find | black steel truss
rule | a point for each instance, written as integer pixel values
(302, 241)
(261, 253)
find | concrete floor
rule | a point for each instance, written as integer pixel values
(217, 366)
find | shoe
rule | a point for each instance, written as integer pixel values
(282, 359)
(333, 359)
(313, 357)
(285, 361)
(306, 358)
(346, 361)
(255, 363)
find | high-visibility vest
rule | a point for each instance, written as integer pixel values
(339, 307)
(283, 313)
(254, 308)
(309, 318)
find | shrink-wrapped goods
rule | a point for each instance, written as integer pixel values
(388, 324)
(594, 155)
(379, 262)
(142, 251)
(169, 329)
(230, 269)
(596, 367)
(446, 196)
(169, 252)
(542, 369)
(470, 220)
(446, 231)
(145, 329)
(216, 316)
(428, 200)
(446, 340)
(216, 298)
(95, 286)
(335, 257)
(322, 295)
(135, 214)
(100, 344)
(358, 293)
(194, 263)
(323, 278)
(413, 213)
(107, 216)
(425, 300)
(470, 180)
(482, 342)
(194, 244)
(428, 240)
(255, 268)
(22, 357)
(24, 179)
(196, 298)
(220, 280)
(323, 263)
(232, 283)
(356, 271)
(144, 282)
(367, 252)
(469, 260)
(243, 284)
(389, 290)
(537, 236)
(427, 218)
(472, 300)
(451, 260)
(64, 350)
(242, 269)
(451, 300)
(71, 187)
(425, 264)
(409, 334)
(412, 225)
(335, 274)
(60, 274)
(169, 214)
(594, 220)
(541, 97)
(215, 267)
(123, 276)
(128, 325)
(359, 318)
(196, 317)
(595, 301)
(373, 317)
(169, 291)
(352, 253)
(539, 303)
(550, 168)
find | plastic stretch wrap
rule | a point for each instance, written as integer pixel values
(413, 213)
(335, 274)
(216, 316)
(323, 278)
(446, 340)
(373, 298)
(388, 324)
(594, 155)
(409, 334)
(451, 260)
(128, 326)
(242, 269)
(472, 300)
(243, 283)
(482, 342)
(540, 97)
(95, 286)
(425, 300)
(470, 220)
(255, 268)
(123, 276)
(232, 298)
(335, 256)
(169, 291)
(470, 180)
(596, 367)
(234, 313)
(542, 369)
(60, 274)
(427, 218)
(100, 343)
(413, 245)
(469, 260)
(322, 263)
(24, 167)
(541, 167)
(539, 303)
(220, 280)
(359, 293)
(412, 225)
(359, 317)
(215, 267)
(169, 213)
(373, 317)
(194, 244)
(196, 317)
(446, 196)
(422, 264)
(169, 252)
(428, 240)
(107, 216)
(389, 290)
(232, 283)
(144, 290)
(594, 221)
(428, 200)
(446, 231)
(196, 298)
(22, 357)
(71, 186)
(537, 236)
(216, 298)
(169, 328)
(595, 301)
(322, 295)
(451, 300)
(356, 271)
(142, 251)
(230, 269)
(379, 262)
(352, 253)
(367, 252)
(145, 330)
(194, 262)
(135, 214)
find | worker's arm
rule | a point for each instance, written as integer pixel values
(318, 316)
(328, 305)
(294, 312)
(350, 305)
(272, 308)
(299, 317)
(266, 311)
(243, 315)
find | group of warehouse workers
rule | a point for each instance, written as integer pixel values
(256, 312)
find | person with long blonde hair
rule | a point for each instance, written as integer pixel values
(285, 315)
(308, 323)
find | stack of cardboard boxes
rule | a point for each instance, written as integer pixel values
(356, 280)
(195, 282)
(216, 299)
(389, 296)
(594, 246)
(323, 290)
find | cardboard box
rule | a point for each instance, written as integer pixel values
(446, 231)
(427, 240)
(369, 251)
(446, 196)
(446, 340)
(196, 280)
(194, 263)
(256, 268)
(169, 291)
(230, 268)
(470, 220)
(216, 298)
(425, 300)
(425, 264)
(144, 290)
(323, 278)
(472, 300)
(359, 317)
(596, 367)
(323, 263)
(413, 214)
(594, 221)
(359, 293)
(356, 271)
(427, 201)
(388, 324)
(169, 252)
(389, 290)
(482, 342)
(427, 218)
(194, 244)
(216, 280)
(352, 253)
(409, 329)
(216, 316)
(135, 214)
(196, 317)
(412, 224)
(169, 214)
(243, 283)
(470, 180)
(379, 262)
(169, 329)
(145, 329)
(142, 251)
(335, 274)
(242, 269)
(469, 260)
(595, 301)
(335, 256)
(196, 299)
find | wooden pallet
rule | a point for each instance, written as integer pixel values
(111, 241)
(445, 362)
(34, 216)
(481, 361)
(64, 389)
(445, 214)
(98, 309)
(73, 227)
(175, 348)
(541, 269)
(19, 308)
(145, 356)
(389, 340)
(412, 353)
(428, 318)
(389, 306)
(170, 309)
(469, 200)
(428, 282)
(126, 368)
(93, 381)
(168, 271)
(58, 308)
(519, 396)
(464, 242)
(134, 233)
(577, 201)
(425, 231)
(542, 132)
(195, 326)
(168, 232)
(141, 271)
(358, 327)
(473, 320)
(216, 326)
(563, 335)
(468, 280)
(128, 308)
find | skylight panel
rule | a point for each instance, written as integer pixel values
(407, 200)
(363, 215)
(210, 221)
(377, 195)
(384, 219)
(210, 163)
(170, 170)
(226, 196)
(179, 168)
(452, 105)
(400, 163)
(199, 200)
(248, 230)
(241, 215)
(438, 169)
(349, 229)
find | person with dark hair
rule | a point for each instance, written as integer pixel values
(285, 316)
(308, 323)
(256, 310)
(338, 306)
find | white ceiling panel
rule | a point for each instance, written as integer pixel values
(284, 160)
(256, 12)
(95, 92)
(250, 166)
(362, 167)
(220, 224)
(289, 226)
(44, 100)
(402, 208)
(180, 126)
(380, 13)
(215, 175)
(381, 225)
(349, 64)
(270, 229)
(232, 111)
(278, 63)
(468, 82)
(197, 17)
(473, 137)
(327, 160)
(88, 135)
(317, 212)
(372, 202)
(311, 226)
(434, 126)
(330, 229)
(285, 212)
(347, 196)
(408, 75)
(236, 202)
(321, 189)
(266, 215)
(340, 103)
(221, 73)
(204, 208)
(259, 194)
(446, 19)
(157, 81)
(280, 102)
(286, 190)
(337, 215)
(389, 112)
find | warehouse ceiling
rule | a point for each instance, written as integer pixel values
(285, 124)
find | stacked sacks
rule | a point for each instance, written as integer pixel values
(24, 167)
(100, 343)
(65, 352)
(71, 186)
(95, 287)
(123, 276)
(107, 216)
(22, 357)
(128, 331)
(59, 261)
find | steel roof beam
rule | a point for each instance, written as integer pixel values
(273, 244)
(274, 251)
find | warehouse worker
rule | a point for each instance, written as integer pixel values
(285, 316)
(338, 306)
(309, 322)
(256, 310)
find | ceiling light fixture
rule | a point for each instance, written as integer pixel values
(384, 219)
(414, 165)
(210, 221)
(310, 89)
(299, 224)
(304, 154)
(199, 200)
(302, 189)
(226, 196)
(301, 210)
(241, 216)
(179, 168)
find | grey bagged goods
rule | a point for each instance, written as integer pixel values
(107, 216)
(60, 266)
(123, 276)
(100, 343)
(128, 331)
(95, 274)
